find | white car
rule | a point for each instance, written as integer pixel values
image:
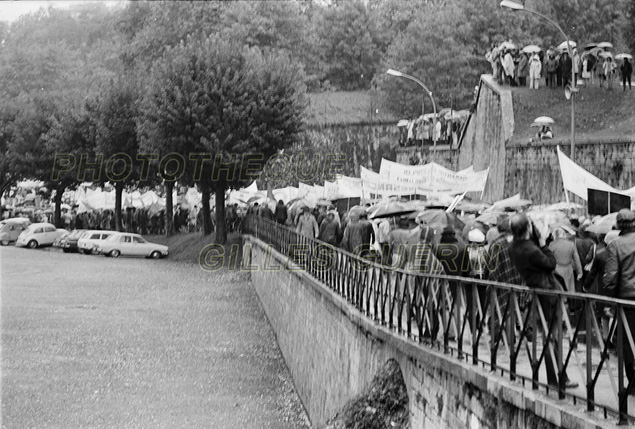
(90, 240)
(10, 229)
(40, 235)
(127, 244)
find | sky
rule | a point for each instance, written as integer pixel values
(10, 10)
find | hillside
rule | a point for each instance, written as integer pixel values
(346, 108)
(599, 113)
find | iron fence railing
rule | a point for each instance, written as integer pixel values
(525, 334)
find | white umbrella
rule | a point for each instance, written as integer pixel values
(604, 54)
(622, 56)
(507, 45)
(544, 120)
(563, 45)
(532, 49)
(605, 45)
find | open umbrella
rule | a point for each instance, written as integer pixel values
(546, 120)
(605, 45)
(492, 218)
(300, 202)
(622, 56)
(563, 205)
(391, 209)
(507, 45)
(323, 203)
(563, 46)
(605, 54)
(590, 46)
(532, 49)
(604, 224)
(439, 219)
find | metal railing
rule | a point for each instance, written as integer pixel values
(516, 331)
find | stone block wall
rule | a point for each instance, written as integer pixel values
(489, 128)
(333, 352)
(533, 170)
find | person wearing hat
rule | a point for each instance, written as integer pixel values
(307, 225)
(476, 254)
(619, 276)
(451, 253)
(330, 231)
(568, 267)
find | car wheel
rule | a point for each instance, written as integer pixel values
(4, 242)
(88, 251)
(155, 255)
(66, 250)
(32, 244)
(115, 253)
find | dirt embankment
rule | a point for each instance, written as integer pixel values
(382, 405)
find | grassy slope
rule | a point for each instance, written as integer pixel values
(345, 108)
(599, 113)
(188, 247)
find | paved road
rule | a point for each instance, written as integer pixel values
(96, 342)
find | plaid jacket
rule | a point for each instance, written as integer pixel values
(503, 270)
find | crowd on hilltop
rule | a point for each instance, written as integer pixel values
(555, 68)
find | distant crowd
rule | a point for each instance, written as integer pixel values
(554, 68)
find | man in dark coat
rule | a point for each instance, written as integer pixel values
(330, 231)
(567, 66)
(619, 279)
(266, 212)
(536, 263)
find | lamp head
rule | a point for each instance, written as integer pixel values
(512, 5)
(394, 72)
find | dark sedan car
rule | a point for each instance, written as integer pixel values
(69, 243)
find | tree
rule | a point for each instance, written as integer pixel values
(445, 63)
(114, 113)
(629, 31)
(68, 138)
(227, 106)
(348, 45)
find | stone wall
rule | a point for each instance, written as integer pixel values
(533, 170)
(362, 144)
(333, 352)
(489, 129)
(445, 156)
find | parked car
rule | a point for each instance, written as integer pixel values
(128, 244)
(69, 243)
(39, 235)
(90, 240)
(10, 229)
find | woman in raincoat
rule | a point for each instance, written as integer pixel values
(523, 69)
(509, 67)
(535, 67)
(567, 259)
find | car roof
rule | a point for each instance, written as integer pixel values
(15, 220)
(35, 225)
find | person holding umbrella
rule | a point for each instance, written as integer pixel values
(535, 68)
(523, 69)
(609, 71)
(627, 71)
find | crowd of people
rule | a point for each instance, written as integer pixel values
(555, 67)
(517, 250)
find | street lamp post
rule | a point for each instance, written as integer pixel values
(434, 107)
(517, 6)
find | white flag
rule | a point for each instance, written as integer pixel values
(577, 180)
